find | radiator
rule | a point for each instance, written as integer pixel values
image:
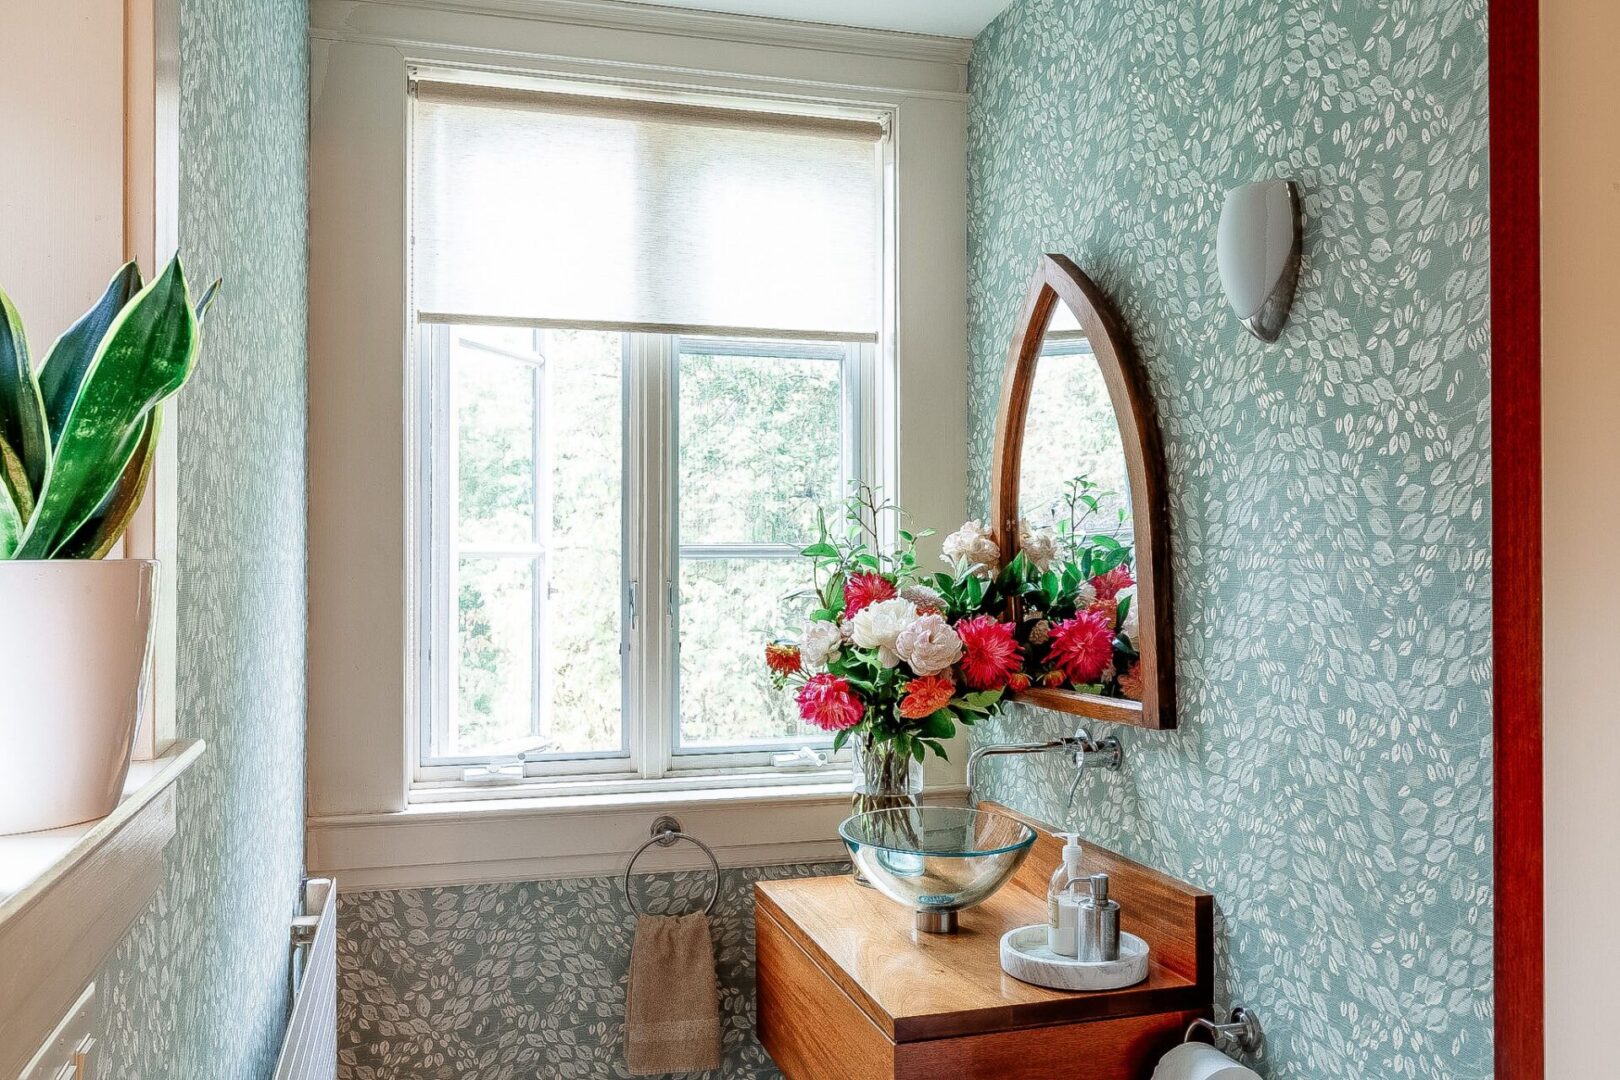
(309, 1051)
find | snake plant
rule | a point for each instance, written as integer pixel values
(78, 435)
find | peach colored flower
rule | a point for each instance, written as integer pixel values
(926, 696)
(782, 657)
(1130, 683)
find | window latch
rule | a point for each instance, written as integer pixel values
(505, 769)
(634, 605)
(802, 758)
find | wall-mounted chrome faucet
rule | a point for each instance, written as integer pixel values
(1106, 752)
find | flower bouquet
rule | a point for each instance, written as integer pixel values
(891, 659)
(1077, 618)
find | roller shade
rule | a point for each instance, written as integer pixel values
(564, 209)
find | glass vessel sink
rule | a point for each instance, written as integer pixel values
(936, 860)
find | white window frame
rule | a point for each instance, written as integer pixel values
(648, 758)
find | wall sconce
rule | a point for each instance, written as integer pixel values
(1257, 250)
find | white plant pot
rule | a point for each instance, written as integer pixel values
(75, 637)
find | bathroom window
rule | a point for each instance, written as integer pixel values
(648, 341)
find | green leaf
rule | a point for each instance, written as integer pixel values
(840, 739)
(819, 550)
(939, 751)
(13, 518)
(917, 751)
(207, 301)
(147, 354)
(63, 372)
(97, 536)
(22, 412)
(940, 724)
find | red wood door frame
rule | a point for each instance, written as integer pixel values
(1515, 161)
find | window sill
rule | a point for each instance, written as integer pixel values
(560, 790)
(566, 836)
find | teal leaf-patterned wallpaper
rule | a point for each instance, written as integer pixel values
(1330, 494)
(524, 980)
(199, 988)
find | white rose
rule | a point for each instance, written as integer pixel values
(876, 626)
(929, 645)
(971, 544)
(1130, 626)
(820, 643)
(1039, 546)
(1085, 594)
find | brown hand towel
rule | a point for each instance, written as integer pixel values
(672, 1012)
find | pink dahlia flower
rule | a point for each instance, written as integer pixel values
(864, 589)
(990, 653)
(1108, 585)
(1083, 646)
(828, 702)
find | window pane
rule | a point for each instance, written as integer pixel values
(495, 417)
(584, 437)
(729, 608)
(761, 447)
(536, 637)
(494, 705)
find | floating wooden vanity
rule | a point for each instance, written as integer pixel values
(849, 991)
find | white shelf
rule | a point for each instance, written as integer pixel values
(68, 896)
(30, 863)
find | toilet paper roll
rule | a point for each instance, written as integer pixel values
(1200, 1061)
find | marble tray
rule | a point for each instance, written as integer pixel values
(1025, 957)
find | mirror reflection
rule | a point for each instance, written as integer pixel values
(1074, 500)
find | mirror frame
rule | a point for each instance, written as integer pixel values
(1057, 279)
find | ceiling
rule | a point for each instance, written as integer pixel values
(952, 18)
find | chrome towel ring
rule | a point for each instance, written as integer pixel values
(665, 831)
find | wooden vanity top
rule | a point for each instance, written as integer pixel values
(915, 986)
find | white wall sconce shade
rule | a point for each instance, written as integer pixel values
(1257, 249)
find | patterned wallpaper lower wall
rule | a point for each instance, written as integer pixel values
(1330, 494)
(199, 988)
(526, 980)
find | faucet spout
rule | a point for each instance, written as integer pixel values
(998, 749)
(1106, 752)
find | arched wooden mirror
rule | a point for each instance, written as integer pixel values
(1078, 460)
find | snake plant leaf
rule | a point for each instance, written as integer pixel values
(146, 355)
(13, 514)
(207, 300)
(97, 536)
(22, 412)
(69, 359)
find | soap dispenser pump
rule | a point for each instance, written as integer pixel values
(1062, 908)
(1097, 925)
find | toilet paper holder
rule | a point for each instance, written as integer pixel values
(1244, 1029)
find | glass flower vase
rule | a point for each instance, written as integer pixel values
(885, 779)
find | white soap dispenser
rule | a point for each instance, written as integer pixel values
(1062, 907)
